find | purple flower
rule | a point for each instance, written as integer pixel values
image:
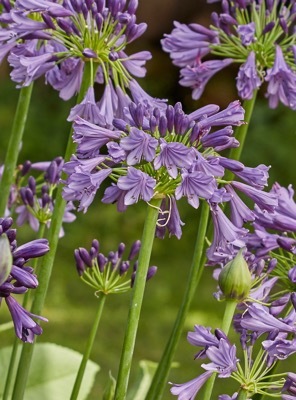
(279, 348)
(188, 390)
(266, 201)
(173, 156)
(198, 76)
(202, 337)
(24, 325)
(223, 359)
(87, 109)
(282, 82)
(138, 145)
(248, 80)
(137, 184)
(91, 138)
(240, 212)
(187, 43)
(247, 33)
(195, 185)
(258, 319)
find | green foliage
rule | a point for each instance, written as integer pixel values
(53, 372)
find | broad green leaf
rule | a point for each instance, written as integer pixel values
(147, 372)
(52, 373)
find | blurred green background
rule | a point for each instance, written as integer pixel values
(70, 305)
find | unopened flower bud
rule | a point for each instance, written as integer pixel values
(235, 278)
(5, 259)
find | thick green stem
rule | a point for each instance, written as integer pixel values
(226, 324)
(161, 376)
(136, 301)
(10, 378)
(241, 134)
(88, 348)
(242, 395)
(14, 145)
(48, 260)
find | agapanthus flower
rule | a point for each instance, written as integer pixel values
(57, 40)
(20, 279)
(34, 203)
(259, 36)
(109, 274)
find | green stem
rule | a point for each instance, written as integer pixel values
(10, 378)
(48, 260)
(241, 134)
(242, 395)
(88, 349)
(226, 324)
(14, 144)
(161, 376)
(136, 301)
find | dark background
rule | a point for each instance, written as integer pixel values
(70, 305)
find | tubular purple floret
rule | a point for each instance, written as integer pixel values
(85, 256)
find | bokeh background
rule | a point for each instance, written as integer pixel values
(70, 305)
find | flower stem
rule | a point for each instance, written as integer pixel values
(242, 395)
(88, 348)
(226, 324)
(48, 260)
(241, 134)
(161, 376)
(137, 299)
(17, 344)
(14, 144)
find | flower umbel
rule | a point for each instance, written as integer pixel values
(108, 274)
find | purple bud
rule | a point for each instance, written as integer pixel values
(170, 115)
(48, 20)
(120, 250)
(32, 184)
(292, 274)
(293, 299)
(124, 266)
(89, 53)
(95, 243)
(151, 272)
(6, 223)
(80, 266)
(134, 249)
(35, 248)
(152, 124)
(102, 261)
(113, 56)
(287, 243)
(271, 265)
(133, 277)
(86, 258)
(25, 168)
(269, 27)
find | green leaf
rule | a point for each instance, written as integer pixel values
(52, 373)
(147, 372)
(110, 388)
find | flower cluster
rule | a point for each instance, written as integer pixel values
(57, 40)
(166, 154)
(255, 375)
(32, 199)
(257, 35)
(20, 279)
(108, 274)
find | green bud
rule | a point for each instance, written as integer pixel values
(5, 258)
(235, 278)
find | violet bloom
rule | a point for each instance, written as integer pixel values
(138, 145)
(25, 327)
(188, 42)
(20, 279)
(173, 156)
(169, 219)
(258, 319)
(189, 390)
(248, 80)
(198, 76)
(240, 31)
(195, 185)
(266, 201)
(282, 82)
(223, 359)
(137, 184)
